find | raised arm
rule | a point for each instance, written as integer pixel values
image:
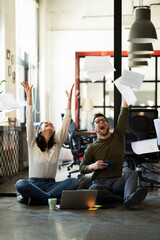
(69, 96)
(123, 118)
(28, 91)
(29, 117)
(63, 133)
(124, 104)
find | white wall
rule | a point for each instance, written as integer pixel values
(2, 42)
(8, 40)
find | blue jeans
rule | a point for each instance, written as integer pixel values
(115, 189)
(41, 189)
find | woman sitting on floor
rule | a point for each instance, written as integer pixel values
(44, 148)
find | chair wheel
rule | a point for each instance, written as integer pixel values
(68, 168)
(69, 175)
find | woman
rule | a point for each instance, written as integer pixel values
(43, 149)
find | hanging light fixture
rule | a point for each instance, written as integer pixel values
(140, 48)
(138, 57)
(133, 64)
(142, 30)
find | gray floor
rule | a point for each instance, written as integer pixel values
(22, 222)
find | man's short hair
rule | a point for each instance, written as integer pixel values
(98, 115)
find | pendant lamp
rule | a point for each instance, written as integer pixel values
(139, 57)
(142, 30)
(132, 64)
(140, 48)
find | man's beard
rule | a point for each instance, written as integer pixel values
(103, 134)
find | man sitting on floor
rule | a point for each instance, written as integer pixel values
(105, 159)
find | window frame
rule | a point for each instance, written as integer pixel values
(78, 55)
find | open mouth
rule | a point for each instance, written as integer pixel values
(102, 127)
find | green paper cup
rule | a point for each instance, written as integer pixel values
(52, 203)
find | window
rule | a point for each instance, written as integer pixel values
(27, 53)
(102, 91)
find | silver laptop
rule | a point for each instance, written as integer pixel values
(78, 199)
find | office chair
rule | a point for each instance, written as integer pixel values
(67, 142)
(78, 144)
(141, 127)
(77, 150)
(130, 156)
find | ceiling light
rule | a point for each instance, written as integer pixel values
(140, 48)
(132, 64)
(139, 58)
(142, 30)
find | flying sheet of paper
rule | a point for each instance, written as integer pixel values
(157, 127)
(145, 146)
(132, 79)
(97, 67)
(126, 92)
(8, 103)
(94, 76)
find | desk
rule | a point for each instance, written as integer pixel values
(87, 137)
(84, 133)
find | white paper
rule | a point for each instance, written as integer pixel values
(132, 79)
(8, 103)
(126, 92)
(97, 64)
(157, 127)
(95, 76)
(96, 67)
(145, 146)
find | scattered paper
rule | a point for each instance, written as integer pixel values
(157, 127)
(8, 103)
(94, 76)
(126, 92)
(145, 146)
(132, 79)
(97, 67)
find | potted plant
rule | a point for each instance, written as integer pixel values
(2, 81)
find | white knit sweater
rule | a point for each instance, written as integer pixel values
(43, 164)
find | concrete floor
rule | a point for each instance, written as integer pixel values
(23, 222)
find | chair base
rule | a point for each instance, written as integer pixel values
(70, 165)
(64, 164)
(69, 174)
(148, 180)
(145, 179)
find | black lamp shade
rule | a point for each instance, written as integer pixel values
(142, 30)
(139, 57)
(140, 48)
(132, 64)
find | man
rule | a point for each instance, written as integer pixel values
(105, 159)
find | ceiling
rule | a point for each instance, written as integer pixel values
(96, 14)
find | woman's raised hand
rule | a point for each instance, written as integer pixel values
(28, 90)
(69, 96)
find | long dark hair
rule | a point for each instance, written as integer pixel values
(41, 142)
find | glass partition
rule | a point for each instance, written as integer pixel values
(101, 92)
